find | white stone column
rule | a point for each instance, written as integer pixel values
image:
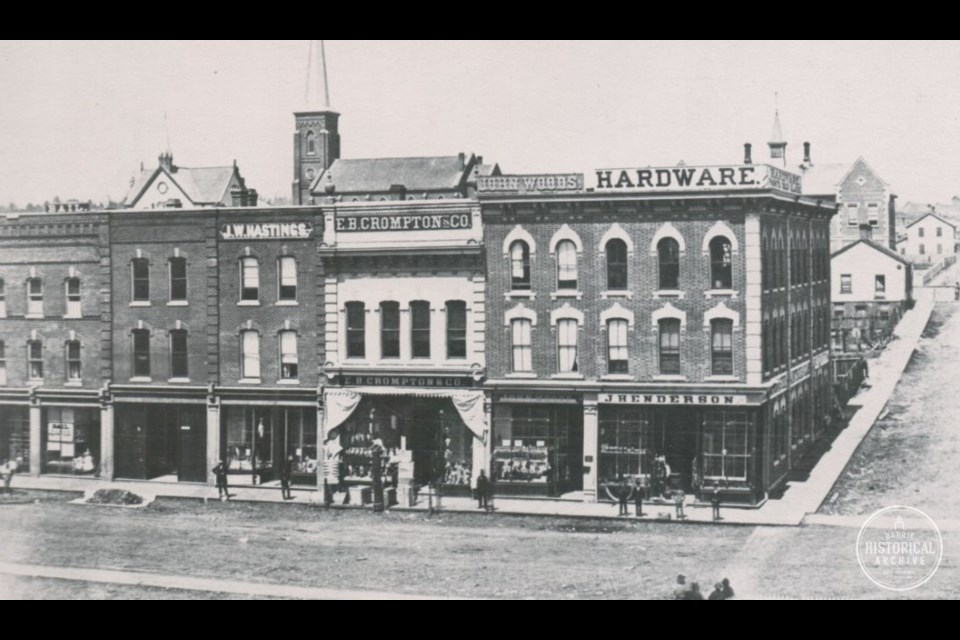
(107, 470)
(753, 261)
(591, 448)
(321, 416)
(213, 436)
(482, 447)
(35, 435)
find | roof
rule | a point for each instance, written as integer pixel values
(890, 253)
(776, 136)
(436, 173)
(927, 215)
(823, 179)
(203, 185)
(488, 170)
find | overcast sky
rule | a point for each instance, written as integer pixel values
(78, 118)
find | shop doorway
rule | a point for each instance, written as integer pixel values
(675, 442)
(15, 436)
(257, 440)
(166, 442)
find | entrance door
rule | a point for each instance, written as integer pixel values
(678, 440)
(131, 443)
(192, 426)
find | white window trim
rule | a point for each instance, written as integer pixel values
(566, 312)
(133, 282)
(566, 233)
(519, 233)
(720, 228)
(667, 230)
(170, 301)
(66, 298)
(296, 275)
(721, 312)
(520, 312)
(616, 312)
(616, 232)
(667, 312)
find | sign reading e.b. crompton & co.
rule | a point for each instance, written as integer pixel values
(683, 178)
(538, 183)
(404, 222)
(266, 231)
(715, 400)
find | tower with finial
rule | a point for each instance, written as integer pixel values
(316, 142)
(778, 146)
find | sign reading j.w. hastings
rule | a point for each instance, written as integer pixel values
(266, 231)
(684, 178)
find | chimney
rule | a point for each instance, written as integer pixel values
(463, 160)
(166, 161)
(866, 232)
(252, 197)
(747, 158)
(236, 197)
(480, 161)
(399, 190)
(806, 155)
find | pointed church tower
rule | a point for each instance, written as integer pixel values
(316, 143)
(778, 146)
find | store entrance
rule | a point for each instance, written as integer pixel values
(15, 437)
(161, 442)
(675, 447)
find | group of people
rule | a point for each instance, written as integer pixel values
(638, 492)
(721, 590)
(223, 488)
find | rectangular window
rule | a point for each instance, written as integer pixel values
(3, 364)
(249, 279)
(873, 214)
(939, 248)
(73, 298)
(920, 231)
(617, 359)
(140, 270)
(3, 299)
(846, 283)
(853, 215)
(721, 347)
(179, 363)
(289, 363)
(522, 345)
(567, 346)
(670, 347)
(141, 353)
(939, 232)
(34, 297)
(456, 329)
(389, 330)
(420, 328)
(288, 278)
(178, 279)
(250, 349)
(880, 286)
(923, 249)
(356, 330)
(73, 360)
(35, 360)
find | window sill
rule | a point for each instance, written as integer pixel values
(34, 316)
(35, 382)
(141, 379)
(248, 303)
(141, 303)
(522, 375)
(616, 293)
(178, 303)
(617, 377)
(577, 295)
(669, 293)
(525, 295)
(249, 381)
(178, 380)
(721, 379)
(73, 383)
(291, 381)
(567, 376)
(73, 317)
(288, 303)
(670, 378)
(722, 293)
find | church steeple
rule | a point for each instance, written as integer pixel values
(778, 146)
(316, 143)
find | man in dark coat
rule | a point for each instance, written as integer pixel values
(286, 470)
(220, 471)
(483, 491)
(727, 589)
(715, 501)
(624, 496)
(638, 495)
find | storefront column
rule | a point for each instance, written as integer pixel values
(320, 453)
(213, 436)
(481, 449)
(106, 441)
(591, 447)
(35, 433)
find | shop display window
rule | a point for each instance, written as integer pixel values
(15, 438)
(71, 440)
(536, 445)
(300, 439)
(624, 444)
(726, 453)
(249, 439)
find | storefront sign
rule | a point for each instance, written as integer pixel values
(267, 231)
(545, 183)
(714, 400)
(683, 178)
(431, 382)
(404, 222)
(536, 398)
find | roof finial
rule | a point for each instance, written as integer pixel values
(777, 135)
(317, 77)
(166, 131)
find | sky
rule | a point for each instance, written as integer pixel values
(78, 118)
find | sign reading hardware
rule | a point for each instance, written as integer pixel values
(266, 231)
(405, 381)
(531, 183)
(674, 398)
(682, 178)
(404, 222)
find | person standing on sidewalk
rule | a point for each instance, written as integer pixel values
(286, 470)
(715, 501)
(624, 496)
(220, 471)
(638, 495)
(483, 487)
(678, 498)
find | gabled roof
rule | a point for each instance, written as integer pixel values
(927, 215)
(873, 245)
(203, 185)
(823, 179)
(377, 175)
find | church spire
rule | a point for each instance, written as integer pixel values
(317, 94)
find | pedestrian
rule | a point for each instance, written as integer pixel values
(727, 589)
(715, 502)
(694, 592)
(220, 471)
(482, 487)
(5, 476)
(680, 591)
(624, 496)
(7, 473)
(638, 495)
(678, 498)
(717, 593)
(488, 494)
(286, 470)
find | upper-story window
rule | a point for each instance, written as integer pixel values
(35, 360)
(250, 355)
(846, 283)
(880, 286)
(356, 330)
(873, 214)
(939, 232)
(668, 263)
(249, 279)
(178, 279)
(141, 353)
(721, 347)
(522, 345)
(519, 265)
(456, 329)
(669, 335)
(140, 273)
(73, 308)
(389, 330)
(73, 360)
(566, 265)
(920, 231)
(3, 299)
(721, 263)
(567, 357)
(311, 143)
(616, 265)
(289, 360)
(617, 354)
(3, 363)
(288, 278)
(34, 297)
(420, 328)
(179, 361)
(853, 214)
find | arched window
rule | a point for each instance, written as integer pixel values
(287, 269)
(566, 265)
(519, 265)
(356, 330)
(389, 329)
(311, 143)
(721, 263)
(668, 263)
(616, 265)
(721, 347)
(617, 352)
(289, 360)
(3, 364)
(567, 361)
(140, 274)
(669, 346)
(141, 353)
(522, 345)
(178, 279)
(249, 279)
(179, 362)
(35, 360)
(72, 290)
(250, 355)
(72, 353)
(34, 297)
